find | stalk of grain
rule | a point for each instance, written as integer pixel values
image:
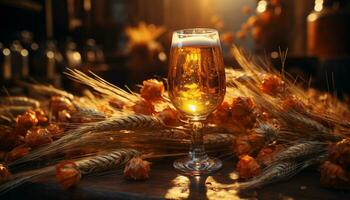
(132, 122)
(87, 165)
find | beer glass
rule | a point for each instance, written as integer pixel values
(196, 88)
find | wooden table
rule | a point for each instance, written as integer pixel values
(166, 183)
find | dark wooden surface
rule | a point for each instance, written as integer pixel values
(166, 183)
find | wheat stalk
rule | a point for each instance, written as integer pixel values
(8, 114)
(279, 171)
(13, 110)
(217, 140)
(110, 160)
(301, 151)
(19, 101)
(87, 165)
(101, 86)
(47, 90)
(307, 122)
(89, 113)
(248, 80)
(132, 122)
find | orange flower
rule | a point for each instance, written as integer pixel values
(340, 153)
(26, 121)
(152, 90)
(55, 131)
(40, 115)
(334, 176)
(293, 103)
(37, 136)
(272, 85)
(222, 114)
(143, 107)
(137, 169)
(58, 103)
(18, 152)
(67, 174)
(247, 167)
(242, 112)
(247, 143)
(169, 116)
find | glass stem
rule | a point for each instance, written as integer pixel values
(197, 153)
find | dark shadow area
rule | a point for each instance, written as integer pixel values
(161, 183)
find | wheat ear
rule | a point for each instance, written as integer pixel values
(87, 165)
(132, 122)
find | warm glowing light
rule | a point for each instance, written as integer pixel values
(192, 107)
(76, 56)
(50, 54)
(6, 52)
(191, 99)
(318, 5)
(87, 5)
(34, 46)
(180, 188)
(312, 17)
(233, 176)
(274, 55)
(216, 190)
(261, 6)
(24, 52)
(197, 178)
(162, 56)
(193, 57)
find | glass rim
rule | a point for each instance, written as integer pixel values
(206, 31)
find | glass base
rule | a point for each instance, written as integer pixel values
(192, 168)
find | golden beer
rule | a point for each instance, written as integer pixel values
(196, 88)
(196, 76)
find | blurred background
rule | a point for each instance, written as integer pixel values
(127, 41)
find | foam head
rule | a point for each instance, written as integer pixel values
(193, 41)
